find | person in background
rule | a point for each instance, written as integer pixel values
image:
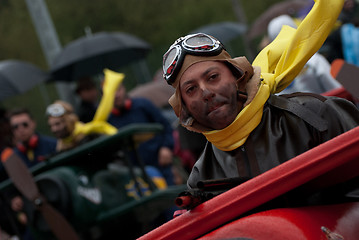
(70, 131)
(334, 47)
(62, 121)
(349, 31)
(315, 76)
(32, 147)
(158, 151)
(88, 93)
(8, 222)
(250, 129)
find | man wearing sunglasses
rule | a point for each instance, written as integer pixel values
(233, 103)
(31, 146)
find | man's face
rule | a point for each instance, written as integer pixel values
(120, 96)
(209, 92)
(23, 127)
(89, 95)
(58, 127)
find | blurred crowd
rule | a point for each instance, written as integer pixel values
(342, 43)
(170, 158)
(319, 74)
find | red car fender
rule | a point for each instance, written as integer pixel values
(333, 222)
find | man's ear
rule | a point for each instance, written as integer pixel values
(241, 83)
(185, 117)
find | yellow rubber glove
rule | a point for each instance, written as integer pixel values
(99, 123)
(112, 81)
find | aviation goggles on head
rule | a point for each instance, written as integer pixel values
(55, 110)
(199, 44)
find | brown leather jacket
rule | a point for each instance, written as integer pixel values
(291, 124)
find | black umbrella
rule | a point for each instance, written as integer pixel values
(158, 92)
(289, 7)
(223, 31)
(17, 77)
(89, 55)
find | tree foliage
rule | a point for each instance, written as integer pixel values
(159, 22)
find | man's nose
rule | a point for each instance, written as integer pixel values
(207, 94)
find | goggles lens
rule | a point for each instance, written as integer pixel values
(170, 60)
(55, 110)
(195, 44)
(200, 43)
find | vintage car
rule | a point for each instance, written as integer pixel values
(243, 212)
(256, 209)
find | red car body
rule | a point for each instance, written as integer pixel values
(223, 217)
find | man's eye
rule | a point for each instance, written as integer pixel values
(190, 90)
(213, 76)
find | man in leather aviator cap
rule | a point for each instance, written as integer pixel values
(233, 103)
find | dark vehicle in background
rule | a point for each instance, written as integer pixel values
(95, 189)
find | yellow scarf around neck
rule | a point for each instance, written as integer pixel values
(280, 62)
